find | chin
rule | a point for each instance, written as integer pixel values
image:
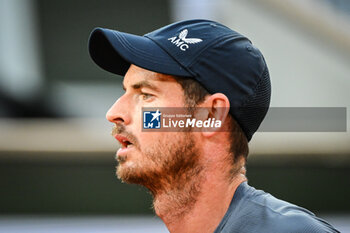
(128, 172)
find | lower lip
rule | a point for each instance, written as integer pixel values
(123, 151)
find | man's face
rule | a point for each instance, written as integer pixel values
(150, 158)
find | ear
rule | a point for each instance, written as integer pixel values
(216, 106)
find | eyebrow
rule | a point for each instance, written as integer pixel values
(142, 84)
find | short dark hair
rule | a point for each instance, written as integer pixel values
(194, 94)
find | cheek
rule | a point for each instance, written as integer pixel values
(149, 140)
(136, 122)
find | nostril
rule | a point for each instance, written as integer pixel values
(114, 117)
(118, 120)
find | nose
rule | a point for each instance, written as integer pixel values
(119, 112)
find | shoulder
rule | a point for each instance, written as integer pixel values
(297, 221)
(258, 211)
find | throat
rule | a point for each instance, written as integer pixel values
(174, 201)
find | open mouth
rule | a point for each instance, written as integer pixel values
(126, 144)
(124, 141)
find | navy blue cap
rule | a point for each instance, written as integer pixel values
(221, 59)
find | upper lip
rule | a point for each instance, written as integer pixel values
(123, 140)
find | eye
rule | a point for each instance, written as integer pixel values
(145, 96)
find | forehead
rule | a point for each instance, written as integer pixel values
(137, 74)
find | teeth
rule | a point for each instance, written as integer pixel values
(126, 143)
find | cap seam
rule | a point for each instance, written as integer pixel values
(217, 41)
(225, 36)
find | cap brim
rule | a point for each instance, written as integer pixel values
(114, 51)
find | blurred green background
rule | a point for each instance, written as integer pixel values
(78, 185)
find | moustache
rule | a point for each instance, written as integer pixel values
(120, 129)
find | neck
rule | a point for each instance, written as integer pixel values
(199, 204)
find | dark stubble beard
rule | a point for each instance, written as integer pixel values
(171, 168)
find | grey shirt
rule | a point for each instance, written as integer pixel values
(254, 211)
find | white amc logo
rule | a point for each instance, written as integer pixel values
(182, 42)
